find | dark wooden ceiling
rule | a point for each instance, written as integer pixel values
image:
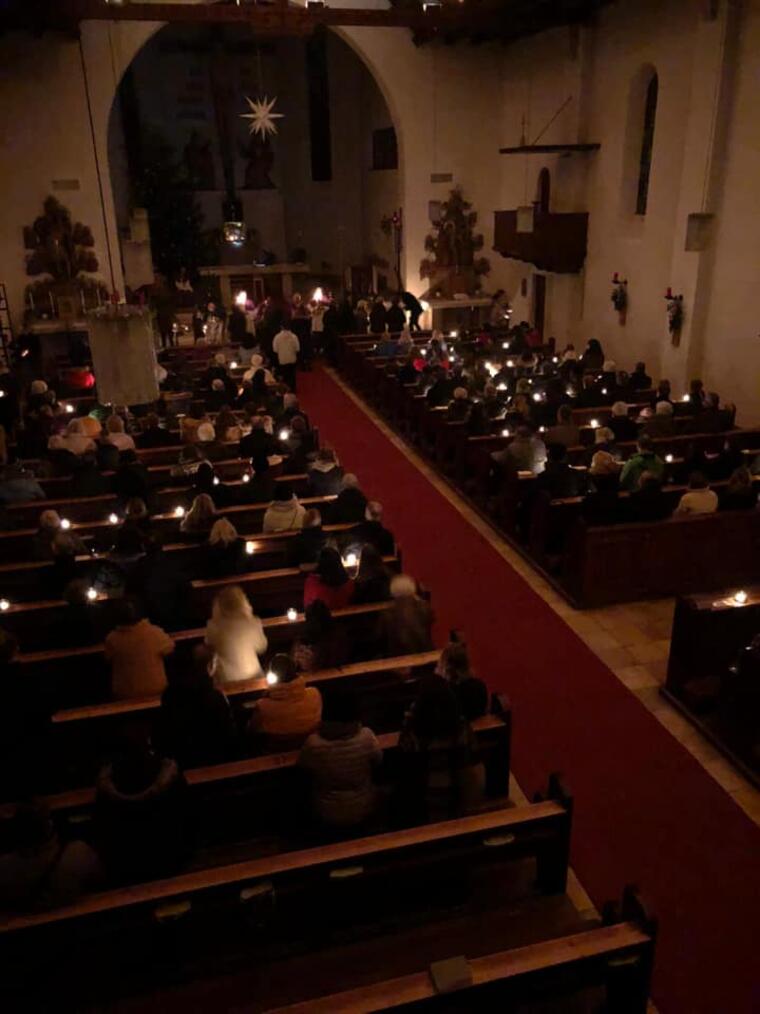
(452, 21)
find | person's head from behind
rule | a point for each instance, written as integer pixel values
(151, 421)
(312, 518)
(341, 707)
(223, 533)
(50, 522)
(206, 433)
(64, 545)
(298, 426)
(436, 713)
(454, 663)
(115, 424)
(349, 481)
(594, 347)
(326, 456)
(231, 603)
(202, 511)
(136, 509)
(603, 435)
(640, 367)
(664, 387)
(741, 480)
(619, 409)
(283, 492)
(695, 388)
(698, 480)
(127, 611)
(282, 669)
(374, 511)
(645, 444)
(370, 563)
(76, 428)
(556, 453)
(135, 765)
(330, 569)
(204, 477)
(403, 587)
(523, 432)
(564, 415)
(604, 470)
(195, 676)
(664, 408)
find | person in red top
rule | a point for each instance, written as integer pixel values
(329, 582)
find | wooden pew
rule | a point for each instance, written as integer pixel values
(260, 784)
(617, 957)
(95, 508)
(270, 591)
(622, 563)
(384, 866)
(16, 545)
(20, 581)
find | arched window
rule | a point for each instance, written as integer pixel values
(543, 191)
(647, 143)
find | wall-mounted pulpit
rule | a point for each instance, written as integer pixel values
(556, 242)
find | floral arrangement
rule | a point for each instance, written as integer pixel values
(619, 295)
(674, 311)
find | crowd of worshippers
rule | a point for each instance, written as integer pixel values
(143, 820)
(510, 387)
(143, 825)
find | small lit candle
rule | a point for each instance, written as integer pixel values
(271, 678)
(569, 392)
(216, 480)
(92, 594)
(179, 512)
(542, 429)
(423, 352)
(537, 396)
(604, 390)
(284, 434)
(65, 524)
(4, 605)
(505, 433)
(669, 458)
(292, 615)
(501, 387)
(555, 359)
(452, 334)
(233, 365)
(685, 398)
(740, 598)
(594, 424)
(250, 547)
(113, 518)
(351, 560)
(510, 363)
(246, 477)
(69, 408)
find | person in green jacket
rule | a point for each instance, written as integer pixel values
(644, 460)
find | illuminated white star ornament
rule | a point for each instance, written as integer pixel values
(261, 116)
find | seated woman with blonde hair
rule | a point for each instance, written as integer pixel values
(199, 520)
(225, 552)
(236, 636)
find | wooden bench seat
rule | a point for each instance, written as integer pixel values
(270, 591)
(16, 545)
(259, 785)
(545, 972)
(540, 830)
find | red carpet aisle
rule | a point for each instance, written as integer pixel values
(645, 810)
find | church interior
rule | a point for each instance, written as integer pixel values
(379, 506)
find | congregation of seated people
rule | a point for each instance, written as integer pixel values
(143, 825)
